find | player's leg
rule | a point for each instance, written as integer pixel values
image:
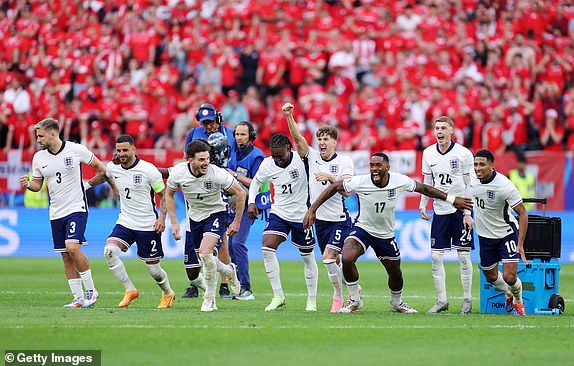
(119, 241)
(229, 271)
(330, 237)
(191, 261)
(223, 257)
(304, 240)
(209, 262)
(510, 258)
(387, 250)
(489, 258)
(353, 248)
(72, 274)
(75, 229)
(440, 243)
(276, 232)
(150, 250)
(463, 242)
(239, 255)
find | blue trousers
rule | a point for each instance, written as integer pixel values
(238, 251)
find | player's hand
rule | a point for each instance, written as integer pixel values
(468, 222)
(287, 109)
(309, 219)
(520, 250)
(175, 231)
(233, 228)
(252, 211)
(116, 159)
(24, 181)
(159, 226)
(424, 214)
(116, 193)
(463, 203)
(324, 177)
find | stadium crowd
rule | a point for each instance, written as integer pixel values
(378, 70)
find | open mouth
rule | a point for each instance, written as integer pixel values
(376, 177)
(440, 137)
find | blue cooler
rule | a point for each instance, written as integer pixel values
(540, 279)
(539, 289)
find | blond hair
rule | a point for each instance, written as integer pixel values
(48, 124)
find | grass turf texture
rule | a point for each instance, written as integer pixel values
(32, 292)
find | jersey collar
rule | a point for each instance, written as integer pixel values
(447, 150)
(134, 164)
(332, 158)
(491, 177)
(59, 151)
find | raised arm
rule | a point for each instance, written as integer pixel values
(300, 142)
(459, 202)
(310, 216)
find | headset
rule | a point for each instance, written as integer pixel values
(250, 128)
(218, 118)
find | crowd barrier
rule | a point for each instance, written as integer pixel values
(26, 233)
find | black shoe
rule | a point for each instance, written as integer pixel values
(190, 292)
(224, 291)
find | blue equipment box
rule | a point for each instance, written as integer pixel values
(539, 289)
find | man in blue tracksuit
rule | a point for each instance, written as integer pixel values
(248, 159)
(212, 122)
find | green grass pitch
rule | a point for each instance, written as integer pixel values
(32, 292)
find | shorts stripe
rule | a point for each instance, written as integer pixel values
(359, 241)
(335, 248)
(276, 233)
(123, 242)
(391, 258)
(490, 267)
(149, 259)
(311, 246)
(212, 234)
(191, 265)
(61, 250)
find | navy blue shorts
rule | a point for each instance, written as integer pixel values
(385, 249)
(215, 225)
(447, 231)
(494, 250)
(332, 234)
(300, 237)
(148, 242)
(69, 229)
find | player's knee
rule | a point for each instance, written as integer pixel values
(509, 278)
(192, 273)
(464, 257)
(154, 270)
(112, 254)
(436, 257)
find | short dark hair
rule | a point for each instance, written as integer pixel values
(196, 146)
(382, 155)
(280, 140)
(329, 131)
(125, 138)
(485, 154)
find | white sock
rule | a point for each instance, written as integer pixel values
(76, 288)
(160, 278)
(465, 273)
(516, 290)
(439, 276)
(335, 277)
(353, 288)
(224, 269)
(199, 282)
(210, 275)
(311, 275)
(115, 264)
(501, 285)
(86, 277)
(273, 272)
(396, 297)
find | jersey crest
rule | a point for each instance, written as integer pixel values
(69, 162)
(392, 194)
(454, 164)
(294, 174)
(490, 195)
(138, 179)
(334, 169)
(208, 185)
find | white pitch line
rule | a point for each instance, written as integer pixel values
(143, 326)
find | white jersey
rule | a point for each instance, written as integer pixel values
(63, 176)
(290, 190)
(338, 166)
(377, 205)
(137, 185)
(492, 203)
(203, 195)
(448, 172)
